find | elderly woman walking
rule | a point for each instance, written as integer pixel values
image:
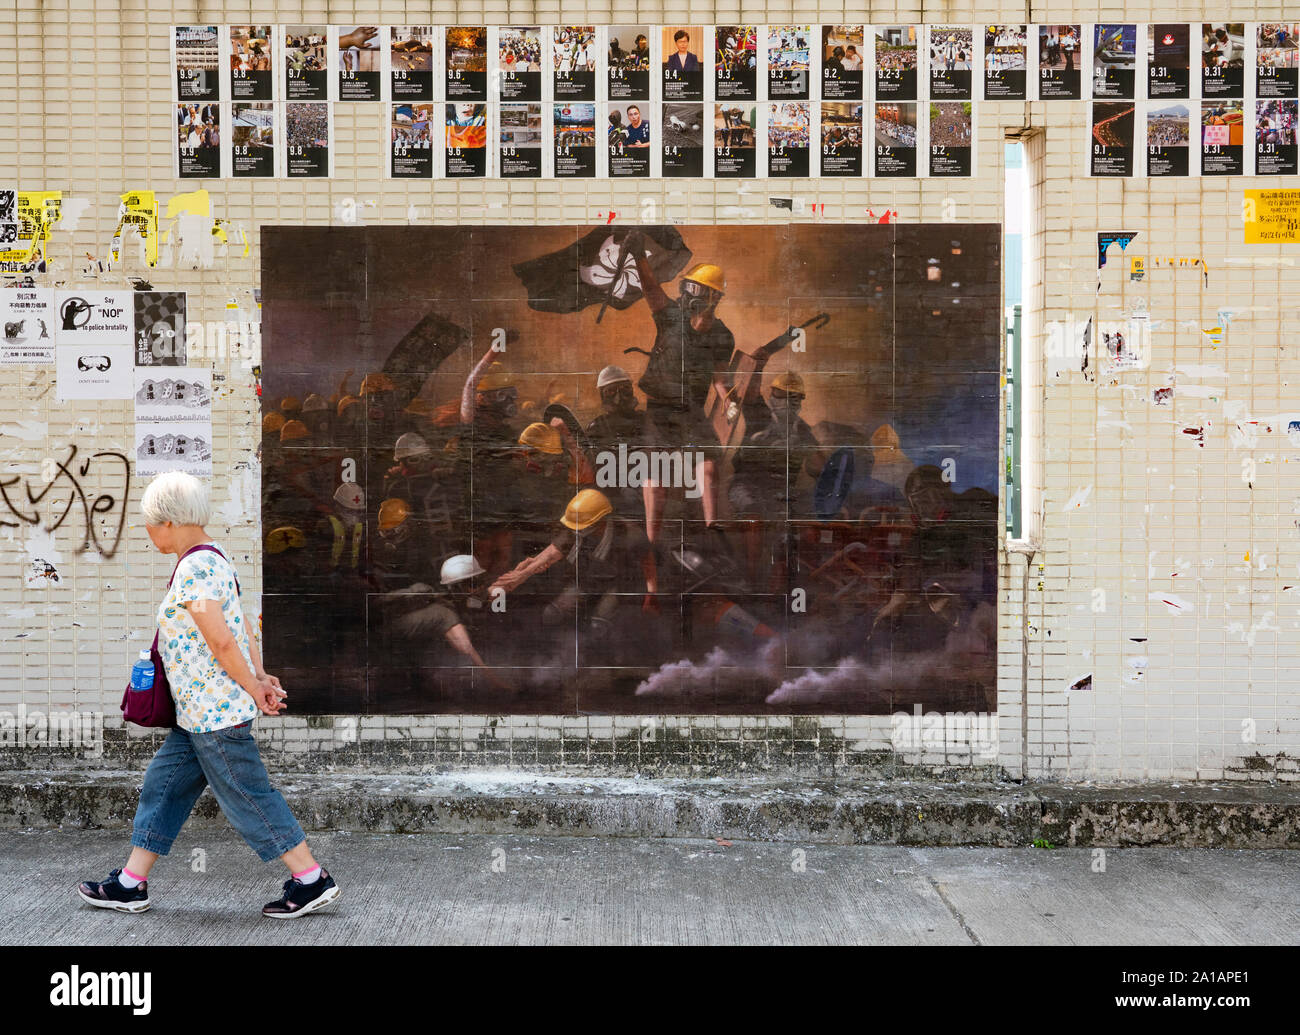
(219, 686)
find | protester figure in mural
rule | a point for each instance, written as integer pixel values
(690, 358)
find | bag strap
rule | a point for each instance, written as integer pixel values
(204, 546)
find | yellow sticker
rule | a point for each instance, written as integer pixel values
(139, 209)
(38, 211)
(1271, 216)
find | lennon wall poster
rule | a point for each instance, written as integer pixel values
(624, 470)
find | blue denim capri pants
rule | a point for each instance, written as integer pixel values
(227, 760)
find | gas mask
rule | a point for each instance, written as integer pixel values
(504, 402)
(618, 398)
(785, 408)
(696, 299)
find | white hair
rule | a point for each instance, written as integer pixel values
(177, 497)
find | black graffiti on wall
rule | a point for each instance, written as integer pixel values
(103, 515)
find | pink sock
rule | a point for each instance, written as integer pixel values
(131, 880)
(308, 876)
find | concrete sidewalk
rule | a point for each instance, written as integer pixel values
(422, 889)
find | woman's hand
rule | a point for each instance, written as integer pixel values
(268, 695)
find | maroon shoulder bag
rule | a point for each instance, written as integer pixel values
(155, 707)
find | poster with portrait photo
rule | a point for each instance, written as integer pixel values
(1060, 50)
(411, 141)
(1114, 61)
(1222, 138)
(197, 62)
(252, 138)
(519, 62)
(466, 62)
(627, 74)
(173, 446)
(410, 62)
(160, 328)
(735, 62)
(1169, 61)
(198, 139)
(789, 137)
(629, 138)
(789, 61)
(307, 138)
(306, 63)
(573, 62)
(682, 55)
(843, 52)
(360, 50)
(682, 132)
(952, 138)
(895, 132)
(952, 62)
(841, 138)
(1276, 71)
(1223, 59)
(1113, 127)
(466, 139)
(252, 72)
(574, 130)
(897, 61)
(734, 140)
(520, 146)
(1275, 143)
(1006, 62)
(1168, 139)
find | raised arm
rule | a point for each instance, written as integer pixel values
(467, 393)
(654, 294)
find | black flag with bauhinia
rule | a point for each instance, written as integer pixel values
(588, 272)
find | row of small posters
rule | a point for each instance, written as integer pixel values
(119, 345)
(754, 63)
(592, 139)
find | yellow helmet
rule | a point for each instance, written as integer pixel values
(790, 382)
(585, 509)
(376, 383)
(495, 379)
(346, 401)
(272, 423)
(280, 539)
(542, 437)
(392, 512)
(290, 404)
(709, 275)
(294, 430)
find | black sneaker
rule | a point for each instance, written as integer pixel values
(110, 894)
(300, 898)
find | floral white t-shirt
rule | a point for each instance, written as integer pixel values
(207, 697)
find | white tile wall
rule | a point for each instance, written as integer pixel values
(85, 107)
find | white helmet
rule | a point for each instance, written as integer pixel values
(459, 568)
(410, 444)
(610, 375)
(350, 495)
